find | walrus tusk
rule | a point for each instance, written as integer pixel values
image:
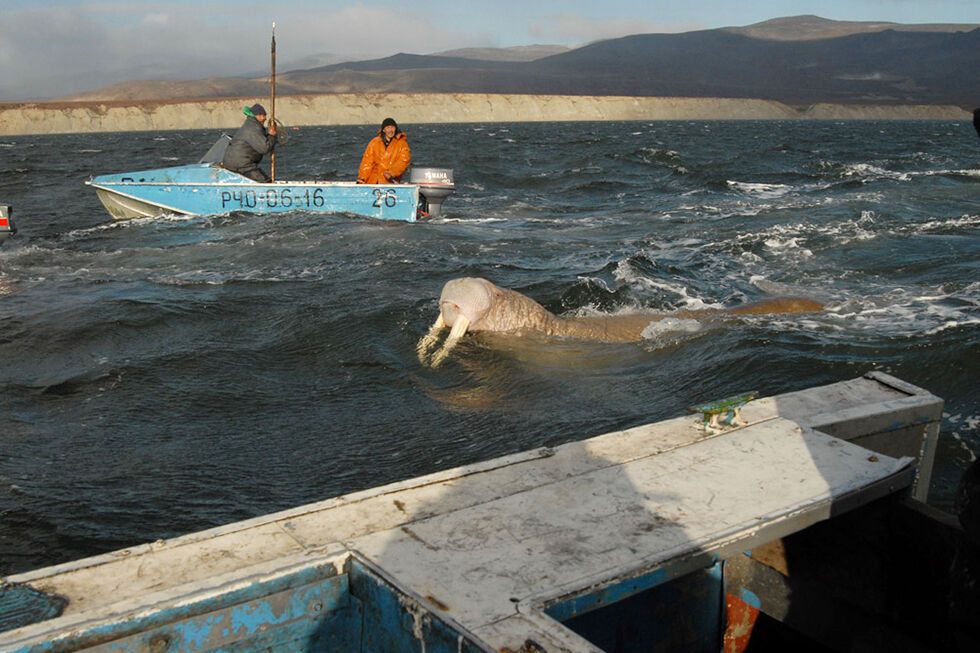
(458, 331)
(429, 340)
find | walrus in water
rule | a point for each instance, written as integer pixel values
(474, 304)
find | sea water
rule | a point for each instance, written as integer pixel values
(161, 376)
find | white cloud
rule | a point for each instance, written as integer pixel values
(64, 50)
(573, 28)
(157, 20)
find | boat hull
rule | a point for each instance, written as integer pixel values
(654, 538)
(7, 228)
(205, 189)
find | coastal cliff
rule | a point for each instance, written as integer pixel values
(409, 108)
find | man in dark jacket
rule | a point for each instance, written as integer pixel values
(249, 143)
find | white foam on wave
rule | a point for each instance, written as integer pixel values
(783, 238)
(40, 264)
(657, 155)
(657, 329)
(737, 210)
(929, 157)
(748, 205)
(654, 151)
(870, 172)
(903, 312)
(463, 220)
(538, 220)
(943, 224)
(131, 223)
(781, 245)
(872, 312)
(217, 277)
(970, 422)
(964, 445)
(760, 189)
(777, 289)
(625, 274)
(952, 173)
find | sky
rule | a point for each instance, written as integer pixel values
(52, 48)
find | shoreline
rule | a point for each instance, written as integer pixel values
(37, 118)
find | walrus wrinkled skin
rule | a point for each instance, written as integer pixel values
(474, 304)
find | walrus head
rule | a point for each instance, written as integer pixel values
(474, 304)
(463, 302)
(469, 298)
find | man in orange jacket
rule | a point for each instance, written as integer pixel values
(386, 157)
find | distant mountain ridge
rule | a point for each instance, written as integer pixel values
(810, 28)
(798, 60)
(515, 53)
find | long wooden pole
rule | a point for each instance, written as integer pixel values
(272, 82)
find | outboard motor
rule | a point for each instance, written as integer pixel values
(217, 151)
(7, 228)
(435, 185)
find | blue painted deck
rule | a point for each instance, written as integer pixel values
(208, 189)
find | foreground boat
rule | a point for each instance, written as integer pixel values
(206, 188)
(663, 537)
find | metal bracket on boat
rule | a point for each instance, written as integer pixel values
(727, 412)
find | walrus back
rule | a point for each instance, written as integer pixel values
(779, 305)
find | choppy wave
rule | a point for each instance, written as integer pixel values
(133, 223)
(961, 223)
(218, 349)
(867, 172)
(761, 190)
(972, 173)
(658, 329)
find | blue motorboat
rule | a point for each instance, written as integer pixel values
(206, 188)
